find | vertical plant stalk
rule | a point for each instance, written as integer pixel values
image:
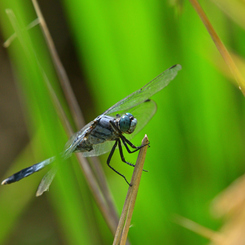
(100, 189)
(128, 208)
(100, 192)
(65, 83)
(220, 46)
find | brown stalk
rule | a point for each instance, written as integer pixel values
(101, 193)
(220, 46)
(128, 208)
(216, 237)
(64, 81)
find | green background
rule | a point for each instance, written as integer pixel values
(112, 48)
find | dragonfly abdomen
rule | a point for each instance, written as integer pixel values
(27, 171)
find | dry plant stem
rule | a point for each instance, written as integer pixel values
(220, 46)
(97, 194)
(109, 213)
(70, 97)
(56, 102)
(104, 201)
(126, 216)
(213, 236)
(97, 168)
(77, 115)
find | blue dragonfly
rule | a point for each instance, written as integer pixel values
(106, 132)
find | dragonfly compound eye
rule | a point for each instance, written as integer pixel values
(127, 123)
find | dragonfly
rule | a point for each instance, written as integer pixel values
(107, 131)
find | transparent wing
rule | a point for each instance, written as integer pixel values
(74, 140)
(145, 92)
(143, 113)
(46, 181)
(99, 149)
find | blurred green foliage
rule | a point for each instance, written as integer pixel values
(197, 135)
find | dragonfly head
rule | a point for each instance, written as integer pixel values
(127, 123)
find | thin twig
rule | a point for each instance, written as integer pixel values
(108, 210)
(74, 107)
(126, 216)
(102, 196)
(220, 46)
(215, 237)
(57, 104)
(98, 196)
(98, 170)
(65, 83)
(110, 214)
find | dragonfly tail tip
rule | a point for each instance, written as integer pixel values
(4, 182)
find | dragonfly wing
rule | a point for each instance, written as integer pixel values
(99, 149)
(145, 92)
(143, 113)
(75, 140)
(46, 181)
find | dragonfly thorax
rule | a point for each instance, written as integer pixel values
(127, 123)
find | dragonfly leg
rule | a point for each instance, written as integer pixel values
(125, 141)
(109, 159)
(121, 154)
(126, 146)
